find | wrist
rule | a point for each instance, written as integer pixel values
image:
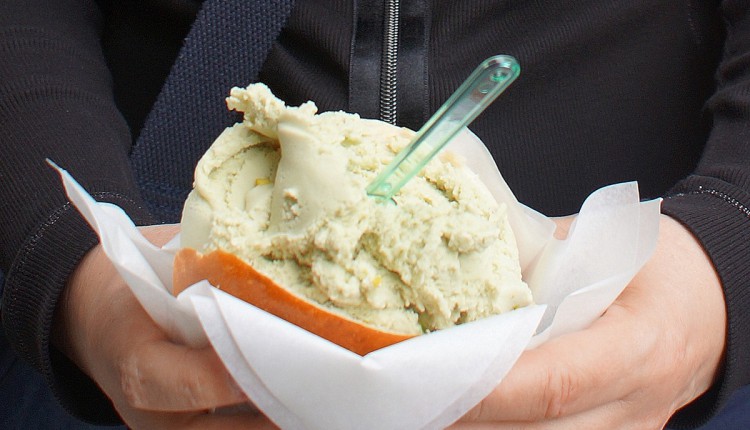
(686, 254)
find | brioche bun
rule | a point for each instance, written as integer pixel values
(232, 275)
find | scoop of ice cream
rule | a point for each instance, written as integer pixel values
(285, 191)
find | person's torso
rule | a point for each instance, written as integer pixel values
(609, 91)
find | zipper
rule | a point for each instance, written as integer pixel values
(388, 71)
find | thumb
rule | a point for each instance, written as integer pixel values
(566, 375)
(165, 376)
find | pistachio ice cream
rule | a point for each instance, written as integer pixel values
(284, 190)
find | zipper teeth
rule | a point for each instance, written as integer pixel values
(388, 76)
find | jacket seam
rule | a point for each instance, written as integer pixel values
(745, 210)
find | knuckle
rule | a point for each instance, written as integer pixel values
(132, 382)
(561, 388)
(651, 421)
(148, 385)
(194, 392)
(476, 413)
(197, 385)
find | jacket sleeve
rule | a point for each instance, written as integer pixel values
(714, 203)
(55, 102)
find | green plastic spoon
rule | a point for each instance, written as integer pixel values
(477, 92)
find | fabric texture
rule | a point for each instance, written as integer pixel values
(190, 113)
(55, 102)
(26, 401)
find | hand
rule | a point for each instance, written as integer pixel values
(152, 381)
(655, 349)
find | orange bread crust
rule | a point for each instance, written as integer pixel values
(232, 275)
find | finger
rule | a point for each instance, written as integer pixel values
(618, 415)
(160, 234)
(563, 226)
(138, 419)
(570, 374)
(220, 422)
(152, 372)
(165, 376)
(639, 345)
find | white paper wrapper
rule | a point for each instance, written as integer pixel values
(301, 381)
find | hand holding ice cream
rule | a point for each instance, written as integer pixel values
(594, 378)
(152, 381)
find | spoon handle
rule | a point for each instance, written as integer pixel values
(480, 89)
